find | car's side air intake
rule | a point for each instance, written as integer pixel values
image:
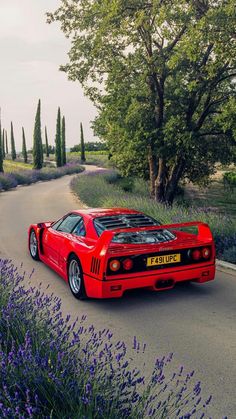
(95, 265)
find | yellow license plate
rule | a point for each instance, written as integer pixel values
(164, 259)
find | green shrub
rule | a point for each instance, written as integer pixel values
(229, 180)
(7, 181)
(229, 255)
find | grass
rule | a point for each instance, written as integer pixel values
(216, 196)
(93, 158)
(100, 190)
(51, 368)
(10, 166)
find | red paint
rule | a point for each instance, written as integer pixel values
(94, 252)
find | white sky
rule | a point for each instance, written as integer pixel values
(31, 52)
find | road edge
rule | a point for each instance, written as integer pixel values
(225, 266)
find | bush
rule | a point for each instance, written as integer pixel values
(22, 178)
(229, 255)
(26, 177)
(229, 180)
(125, 183)
(7, 181)
(51, 368)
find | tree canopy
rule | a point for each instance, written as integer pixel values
(162, 74)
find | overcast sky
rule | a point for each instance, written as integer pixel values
(31, 52)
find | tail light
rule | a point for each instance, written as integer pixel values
(114, 265)
(199, 254)
(206, 253)
(127, 264)
(196, 254)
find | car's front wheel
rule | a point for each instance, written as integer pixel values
(75, 278)
(33, 245)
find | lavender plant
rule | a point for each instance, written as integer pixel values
(26, 177)
(51, 367)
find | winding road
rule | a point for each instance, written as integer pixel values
(196, 322)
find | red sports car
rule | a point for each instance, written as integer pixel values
(104, 252)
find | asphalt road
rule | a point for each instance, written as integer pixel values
(196, 322)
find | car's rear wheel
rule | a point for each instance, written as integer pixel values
(33, 245)
(76, 279)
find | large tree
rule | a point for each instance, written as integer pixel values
(37, 143)
(63, 141)
(24, 148)
(182, 55)
(13, 147)
(58, 139)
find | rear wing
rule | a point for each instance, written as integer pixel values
(103, 244)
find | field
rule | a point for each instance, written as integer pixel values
(14, 166)
(92, 157)
(215, 196)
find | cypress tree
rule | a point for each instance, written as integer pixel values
(38, 145)
(63, 141)
(1, 149)
(46, 142)
(3, 144)
(6, 142)
(13, 147)
(24, 149)
(83, 159)
(58, 139)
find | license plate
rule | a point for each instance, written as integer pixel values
(164, 259)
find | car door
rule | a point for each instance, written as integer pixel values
(76, 235)
(55, 237)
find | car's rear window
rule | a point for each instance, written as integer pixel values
(112, 222)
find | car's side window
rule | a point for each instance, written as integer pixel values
(79, 229)
(56, 224)
(68, 224)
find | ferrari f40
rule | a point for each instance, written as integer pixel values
(102, 253)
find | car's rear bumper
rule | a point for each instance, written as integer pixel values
(155, 281)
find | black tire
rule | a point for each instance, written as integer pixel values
(33, 245)
(76, 278)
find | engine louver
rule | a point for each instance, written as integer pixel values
(95, 265)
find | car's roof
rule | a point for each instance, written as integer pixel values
(102, 212)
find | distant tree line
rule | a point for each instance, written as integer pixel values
(41, 149)
(90, 146)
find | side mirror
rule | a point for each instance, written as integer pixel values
(45, 225)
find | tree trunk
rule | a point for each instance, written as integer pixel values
(160, 182)
(152, 160)
(172, 184)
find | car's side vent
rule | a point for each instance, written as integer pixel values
(95, 265)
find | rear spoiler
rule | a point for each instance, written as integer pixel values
(204, 233)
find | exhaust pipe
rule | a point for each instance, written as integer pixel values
(165, 284)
